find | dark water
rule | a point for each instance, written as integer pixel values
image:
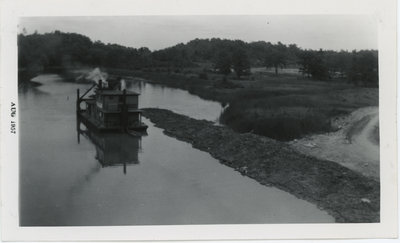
(109, 179)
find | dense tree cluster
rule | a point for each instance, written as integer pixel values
(62, 50)
(359, 67)
(57, 49)
(312, 64)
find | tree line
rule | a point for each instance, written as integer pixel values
(40, 52)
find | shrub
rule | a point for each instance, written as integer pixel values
(284, 123)
(203, 75)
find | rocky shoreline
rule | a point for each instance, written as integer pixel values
(346, 195)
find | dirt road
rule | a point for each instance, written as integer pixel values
(355, 145)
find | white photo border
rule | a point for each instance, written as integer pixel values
(383, 10)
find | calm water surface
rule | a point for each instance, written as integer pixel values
(177, 100)
(109, 179)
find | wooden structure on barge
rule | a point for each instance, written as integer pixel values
(111, 110)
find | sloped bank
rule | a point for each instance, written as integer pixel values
(346, 195)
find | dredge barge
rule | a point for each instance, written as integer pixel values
(110, 109)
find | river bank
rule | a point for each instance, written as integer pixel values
(283, 107)
(347, 195)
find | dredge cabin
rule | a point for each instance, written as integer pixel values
(110, 109)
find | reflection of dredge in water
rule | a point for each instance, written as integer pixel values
(113, 149)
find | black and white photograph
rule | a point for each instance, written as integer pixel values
(198, 119)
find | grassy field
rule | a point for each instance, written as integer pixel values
(282, 107)
(285, 108)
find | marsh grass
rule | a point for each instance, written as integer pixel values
(283, 107)
(281, 121)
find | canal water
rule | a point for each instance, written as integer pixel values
(177, 100)
(109, 179)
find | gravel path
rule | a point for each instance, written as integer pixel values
(354, 145)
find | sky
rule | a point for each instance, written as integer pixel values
(333, 32)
